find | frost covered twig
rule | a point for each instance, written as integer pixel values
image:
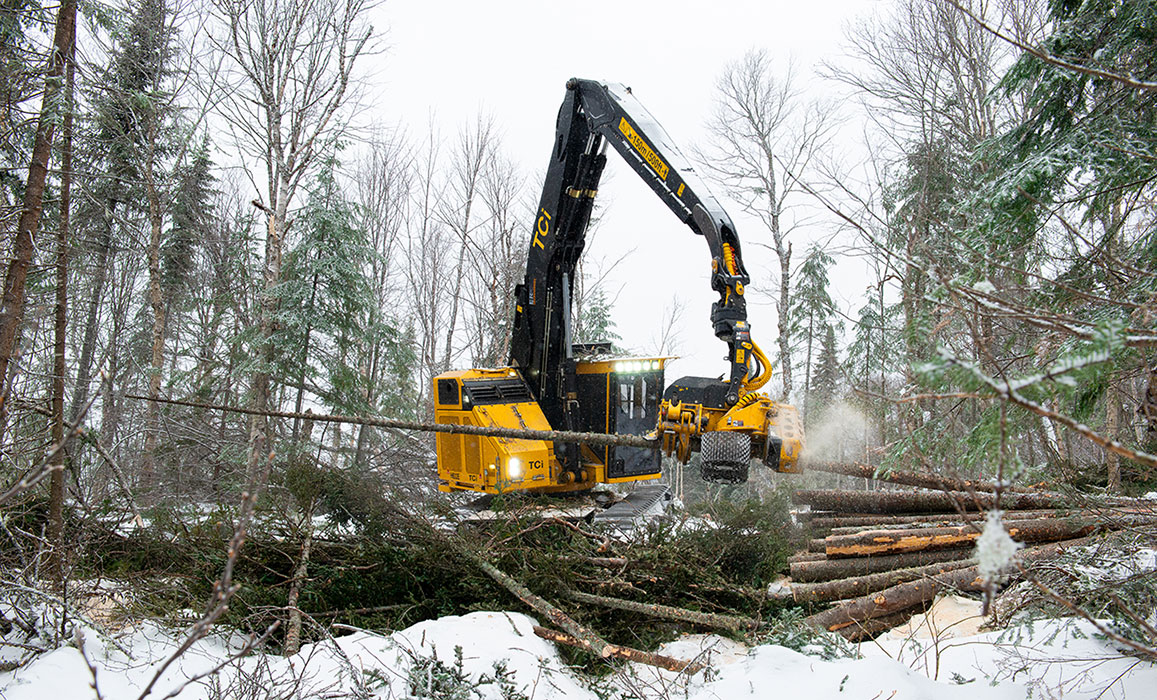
(224, 588)
(1149, 652)
(1004, 390)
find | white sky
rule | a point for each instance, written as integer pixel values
(512, 58)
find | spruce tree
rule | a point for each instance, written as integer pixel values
(825, 380)
(812, 310)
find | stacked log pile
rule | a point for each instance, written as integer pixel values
(881, 556)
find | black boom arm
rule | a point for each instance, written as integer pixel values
(592, 115)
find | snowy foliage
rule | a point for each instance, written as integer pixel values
(994, 548)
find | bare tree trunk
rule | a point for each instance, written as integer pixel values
(1112, 423)
(1148, 407)
(56, 485)
(157, 302)
(293, 632)
(259, 424)
(12, 303)
(88, 345)
(784, 322)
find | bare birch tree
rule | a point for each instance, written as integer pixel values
(292, 70)
(764, 135)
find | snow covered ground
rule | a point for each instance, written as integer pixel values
(491, 655)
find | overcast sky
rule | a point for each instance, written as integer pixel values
(511, 59)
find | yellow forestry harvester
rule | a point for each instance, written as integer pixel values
(553, 384)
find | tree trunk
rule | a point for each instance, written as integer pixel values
(625, 653)
(298, 402)
(56, 485)
(906, 502)
(593, 439)
(846, 525)
(863, 585)
(832, 569)
(157, 303)
(259, 451)
(88, 345)
(784, 325)
(728, 622)
(23, 248)
(1148, 409)
(448, 351)
(293, 632)
(585, 638)
(877, 542)
(1112, 423)
(892, 600)
(913, 593)
(910, 478)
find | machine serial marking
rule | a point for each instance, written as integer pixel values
(644, 150)
(541, 228)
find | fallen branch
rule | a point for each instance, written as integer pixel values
(626, 653)
(728, 622)
(584, 637)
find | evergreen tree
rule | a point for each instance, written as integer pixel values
(192, 218)
(825, 380)
(595, 324)
(321, 299)
(1081, 123)
(812, 310)
(21, 64)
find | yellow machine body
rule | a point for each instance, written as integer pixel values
(618, 395)
(775, 429)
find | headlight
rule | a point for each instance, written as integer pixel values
(514, 468)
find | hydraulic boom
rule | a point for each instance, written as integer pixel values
(553, 383)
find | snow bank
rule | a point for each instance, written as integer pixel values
(1047, 659)
(492, 655)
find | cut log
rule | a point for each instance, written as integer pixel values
(924, 480)
(728, 622)
(908, 595)
(877, 542)
(863, 585)
(608, 562)
(929, 502)
(614, 650)
(870, 628)
(831, 569)
(817, 546)
(842, 525)
(806, 556)
(895, 599)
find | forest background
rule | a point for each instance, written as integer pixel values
(199, 205)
